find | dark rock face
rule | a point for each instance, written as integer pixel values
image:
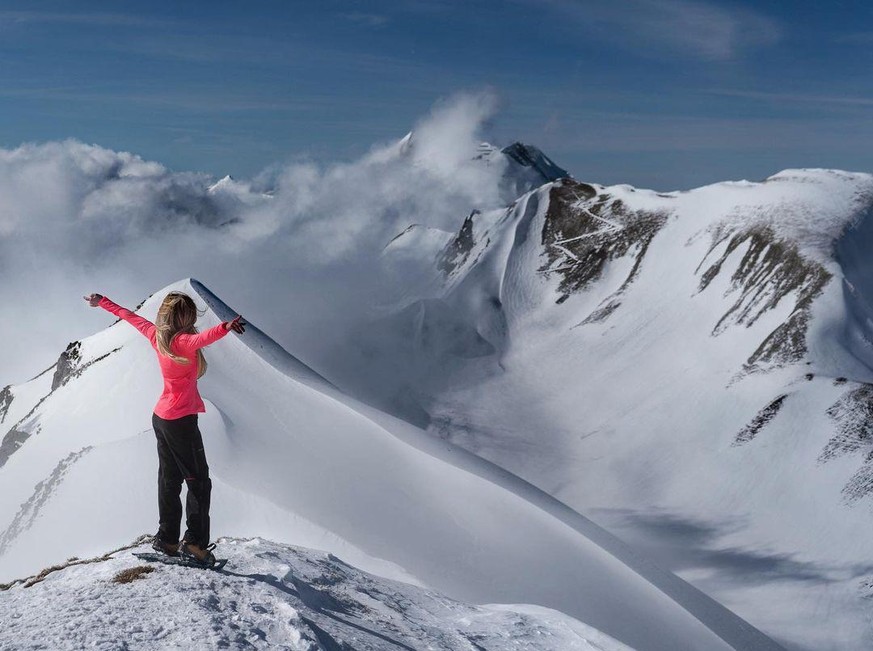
(5, 402)
(853, 419)
(69, 365)
(406, 230)
(13, 440)
(458, 250)
(763, 417)
(771, 270)
(66, 366)
(583, 231)
(528, 156)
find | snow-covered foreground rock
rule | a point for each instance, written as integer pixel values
(294, 459)
(692, 369)
(270, 595)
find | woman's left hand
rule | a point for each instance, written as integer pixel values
(237, 325)
(93, 299)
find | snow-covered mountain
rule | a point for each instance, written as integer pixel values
(694, 369)
(276, 596)
(294, 459)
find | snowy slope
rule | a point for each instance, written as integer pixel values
(294, 459)
(694, 367)
(271, 595)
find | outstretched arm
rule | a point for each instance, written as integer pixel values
(146, 327)
(190, 343)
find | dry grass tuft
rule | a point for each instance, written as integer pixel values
(132, 574)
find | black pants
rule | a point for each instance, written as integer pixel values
(181, 458)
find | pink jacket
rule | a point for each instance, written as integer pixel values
(180, 396)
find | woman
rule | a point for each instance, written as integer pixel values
(180, 446)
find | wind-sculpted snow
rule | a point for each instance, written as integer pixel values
(293, 457)
(596, 368)
(274, 596)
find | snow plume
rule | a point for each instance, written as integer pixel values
(297, 246)
(431, 177)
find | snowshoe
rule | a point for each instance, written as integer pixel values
(195, 555)
(179, 560)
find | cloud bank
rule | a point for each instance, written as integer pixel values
(296, 248)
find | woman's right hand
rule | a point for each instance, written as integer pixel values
(237, 325)
(93, 299)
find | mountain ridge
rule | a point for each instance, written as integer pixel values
(673, 353)
(394, 514)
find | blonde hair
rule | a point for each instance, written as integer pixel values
(177, 314)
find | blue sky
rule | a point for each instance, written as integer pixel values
(665, 94)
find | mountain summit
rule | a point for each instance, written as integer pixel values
(275, 596)
(294, 459)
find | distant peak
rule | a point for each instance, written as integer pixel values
(224, 182)
(530, 156)
(405, 143)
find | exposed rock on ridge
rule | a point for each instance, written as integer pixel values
(584, 231)
(853, 418)
(456, 252)
(5, 402)
(528, 156)
(771, 270)
(68, 366)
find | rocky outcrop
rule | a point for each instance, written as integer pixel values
(458, 250)
(69, 366)
(853, 434)
(584, 231)
(67, 363)
(5, 402)
(528, 156)
(768, 413)
(13, 440)
(770, 271)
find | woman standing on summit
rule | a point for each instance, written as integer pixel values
(180, 446)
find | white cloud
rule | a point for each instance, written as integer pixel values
(297, 247)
